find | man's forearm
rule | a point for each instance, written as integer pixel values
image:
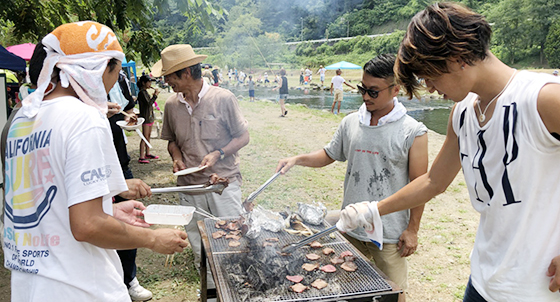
(236, 144)
(174, 151)
(415, 217)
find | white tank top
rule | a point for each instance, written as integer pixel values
(512, 170)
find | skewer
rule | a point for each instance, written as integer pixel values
(206, 214)
(128, 114)
(169, 258)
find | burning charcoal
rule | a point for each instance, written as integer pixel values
(328, 251)
(337, 260)
(328, 268)
(272, 239)
(312, 256)
(316, 245)
(234, 243)
(234, 237)
(346, 253)
(319, 284)
(299, 288)
(349, 266)
(218, 234)
(269, 244)
(295, 279)
(310, 267)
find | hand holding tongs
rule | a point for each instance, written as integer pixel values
(248, 203)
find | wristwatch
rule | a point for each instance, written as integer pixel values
(222, 154)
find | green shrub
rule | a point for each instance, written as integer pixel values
(552, 45)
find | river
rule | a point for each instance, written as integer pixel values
(433, 113)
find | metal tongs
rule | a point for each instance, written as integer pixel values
(248, 203)
(290, 248)
(192, 190)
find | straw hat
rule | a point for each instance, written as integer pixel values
(176, 57)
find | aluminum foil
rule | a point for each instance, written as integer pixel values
(262, 219)
(312, 213)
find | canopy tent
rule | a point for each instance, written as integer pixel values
(343, 65)
(10, 61)
(24, 51)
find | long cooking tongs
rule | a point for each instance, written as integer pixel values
(248, 203)
(290, 248)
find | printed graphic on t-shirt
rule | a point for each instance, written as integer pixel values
(26, 153)
(27, 201)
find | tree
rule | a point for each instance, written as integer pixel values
(33, 19)
(510, 27)
(552, 45)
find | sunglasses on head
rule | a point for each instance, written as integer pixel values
(372, 93)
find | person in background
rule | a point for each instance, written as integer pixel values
(321, 73)
(504, 133)
(204, 127)
(555, 73)
(283, 92)
(308, 75)
(336, 86)
(207, 74)
(251, 84)
(146, 104)
(266, 80)
(71, 206)
(385, 149)
(216, 76)
(301, 80)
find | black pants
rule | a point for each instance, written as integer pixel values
(128, 257)
(471, 295)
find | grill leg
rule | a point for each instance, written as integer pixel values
(203, 281)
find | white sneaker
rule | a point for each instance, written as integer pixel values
(137, 292)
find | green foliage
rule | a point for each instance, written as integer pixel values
(363, 44)
(342, 46)
(552, 46)
(131, 19)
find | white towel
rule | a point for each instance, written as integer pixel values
(398, 111)
(364, 214)
(81, 50)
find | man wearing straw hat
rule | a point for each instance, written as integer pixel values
(204, 127)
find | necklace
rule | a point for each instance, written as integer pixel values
(482, 115)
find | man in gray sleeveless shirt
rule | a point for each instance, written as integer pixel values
(385, 149)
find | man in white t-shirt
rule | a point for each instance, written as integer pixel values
(321, 72)
(61, 228)
(336, 88)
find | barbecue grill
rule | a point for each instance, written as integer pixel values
(239, 280)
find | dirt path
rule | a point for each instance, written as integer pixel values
(438, 271)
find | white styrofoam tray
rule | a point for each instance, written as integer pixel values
(168, 214)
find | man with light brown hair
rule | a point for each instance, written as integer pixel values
(504, 133)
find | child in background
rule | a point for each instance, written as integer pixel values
(146, 103)
(251, 89)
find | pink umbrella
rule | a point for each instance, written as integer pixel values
(22, 50)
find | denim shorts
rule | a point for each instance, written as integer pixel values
(283, 96)
(251, 93)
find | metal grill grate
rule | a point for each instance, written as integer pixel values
(342, 284)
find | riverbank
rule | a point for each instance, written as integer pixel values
(439, 270)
